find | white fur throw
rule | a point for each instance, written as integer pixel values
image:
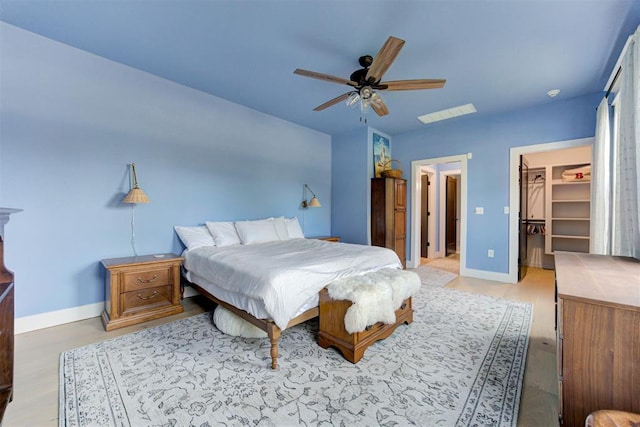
(232, 324)
(375, 296)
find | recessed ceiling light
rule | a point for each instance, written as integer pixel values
(448, 113)
(553, 92)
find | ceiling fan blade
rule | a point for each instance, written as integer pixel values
(333, 101)
(384, 59)
(325, 77)
(380, 107)
(414, 84)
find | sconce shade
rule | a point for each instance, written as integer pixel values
(314, 202)
(135, 195)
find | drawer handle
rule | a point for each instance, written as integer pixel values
(155, 277)
(403, 306)
(149, 297)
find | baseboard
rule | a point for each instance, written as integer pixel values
(486, 275)
(68, 315)
(55, 318)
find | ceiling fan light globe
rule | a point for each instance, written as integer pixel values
(353, 99)
(377, 99)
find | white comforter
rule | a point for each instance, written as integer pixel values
(285, 274)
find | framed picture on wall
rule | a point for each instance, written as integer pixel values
(381, 154)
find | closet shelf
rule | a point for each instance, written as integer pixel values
(561, 182)
(567, 210)
(565, 236)
(570, 219)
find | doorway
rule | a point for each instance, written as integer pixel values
(440, 169)
(514, 192)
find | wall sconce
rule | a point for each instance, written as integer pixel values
(135, 195)
(313, 203)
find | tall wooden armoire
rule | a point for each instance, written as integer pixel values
(389, 215)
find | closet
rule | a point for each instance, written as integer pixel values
(389, 215)
(558, 204)
(568, 209)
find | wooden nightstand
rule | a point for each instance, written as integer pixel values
(141, 288)
(327, 238)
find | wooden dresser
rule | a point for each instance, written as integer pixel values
(598, 335)
(6, 320)
(389, 215)
(141, 288)
(332, 332)
(6, 335)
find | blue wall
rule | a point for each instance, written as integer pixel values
(351, 173)
(489, 139)
(70, 122)
(350, 186)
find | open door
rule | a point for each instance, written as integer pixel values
(523, 216)
(451, 215)
(424, 218)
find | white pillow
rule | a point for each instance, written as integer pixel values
(262, 230)
(194, 237)
(224, 233)
(293, 228)
(281, 228)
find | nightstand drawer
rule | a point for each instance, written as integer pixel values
(144, 279)
(145, 298)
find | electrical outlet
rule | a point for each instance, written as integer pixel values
(490, 253)
(479, 211)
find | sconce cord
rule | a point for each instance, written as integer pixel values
(133, 234)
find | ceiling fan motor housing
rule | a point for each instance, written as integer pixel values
(365, 61)
(365, 82)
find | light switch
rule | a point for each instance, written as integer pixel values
(479, 211)
(506, 210)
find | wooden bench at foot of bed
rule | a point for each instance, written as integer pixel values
(352, 346)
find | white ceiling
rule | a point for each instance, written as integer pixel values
(499, 55)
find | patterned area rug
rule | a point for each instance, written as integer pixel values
(434, 276)
(460, 362)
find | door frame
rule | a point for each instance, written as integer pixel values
(514, 191)
(414, 238)
(431, 220)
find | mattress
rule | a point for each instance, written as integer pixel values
(281, 279)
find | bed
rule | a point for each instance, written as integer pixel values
(275, 284)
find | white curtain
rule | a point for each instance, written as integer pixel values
(600, 242)
(615, 183)
(625, 225)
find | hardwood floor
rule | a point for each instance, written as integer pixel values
(35, 401)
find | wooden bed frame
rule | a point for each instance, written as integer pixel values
(272, 330)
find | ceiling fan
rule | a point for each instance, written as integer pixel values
(367, 80)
